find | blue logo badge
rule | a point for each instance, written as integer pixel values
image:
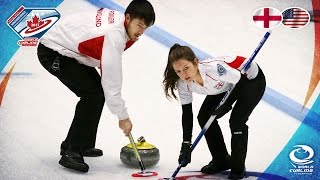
(30, 24)
(221, 70)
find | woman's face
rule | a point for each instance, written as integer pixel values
(185, 69)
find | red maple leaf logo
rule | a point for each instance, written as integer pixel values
(35, 22)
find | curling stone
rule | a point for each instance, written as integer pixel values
(149, 154)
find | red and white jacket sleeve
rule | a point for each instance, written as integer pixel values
(111, 73)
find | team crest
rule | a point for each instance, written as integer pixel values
(221, 70)
(30, 24)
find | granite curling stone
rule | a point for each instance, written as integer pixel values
(149, 154)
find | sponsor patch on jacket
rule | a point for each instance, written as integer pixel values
(221, 70)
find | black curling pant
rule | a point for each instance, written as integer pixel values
(85, 82)
(214, 137)
(246, 97)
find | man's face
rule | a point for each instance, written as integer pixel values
(135, 27)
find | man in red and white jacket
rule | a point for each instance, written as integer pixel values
(72, 49)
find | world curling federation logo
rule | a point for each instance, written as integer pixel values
(301, 160)
(30, 24)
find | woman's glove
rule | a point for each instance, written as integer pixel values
(185, 154)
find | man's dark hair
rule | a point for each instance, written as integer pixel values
(141, 9)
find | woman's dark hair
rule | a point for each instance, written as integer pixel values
(141, 9)
(171, 78)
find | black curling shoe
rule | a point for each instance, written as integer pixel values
(88, 152)
(92, 152)
(214, 167)
(73, 160)
(237, 174)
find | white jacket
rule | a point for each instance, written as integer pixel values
(97, 38)
(218, 75)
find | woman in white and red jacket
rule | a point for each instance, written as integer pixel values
(213, 77)
(72, 48)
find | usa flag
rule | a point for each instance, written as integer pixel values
(295, 17)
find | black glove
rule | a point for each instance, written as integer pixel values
(222, 110)
(185, 154)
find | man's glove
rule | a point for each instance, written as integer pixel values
(222, 110)
(185, 154)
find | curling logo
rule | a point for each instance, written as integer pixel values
(30, 24)
(301, 160)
